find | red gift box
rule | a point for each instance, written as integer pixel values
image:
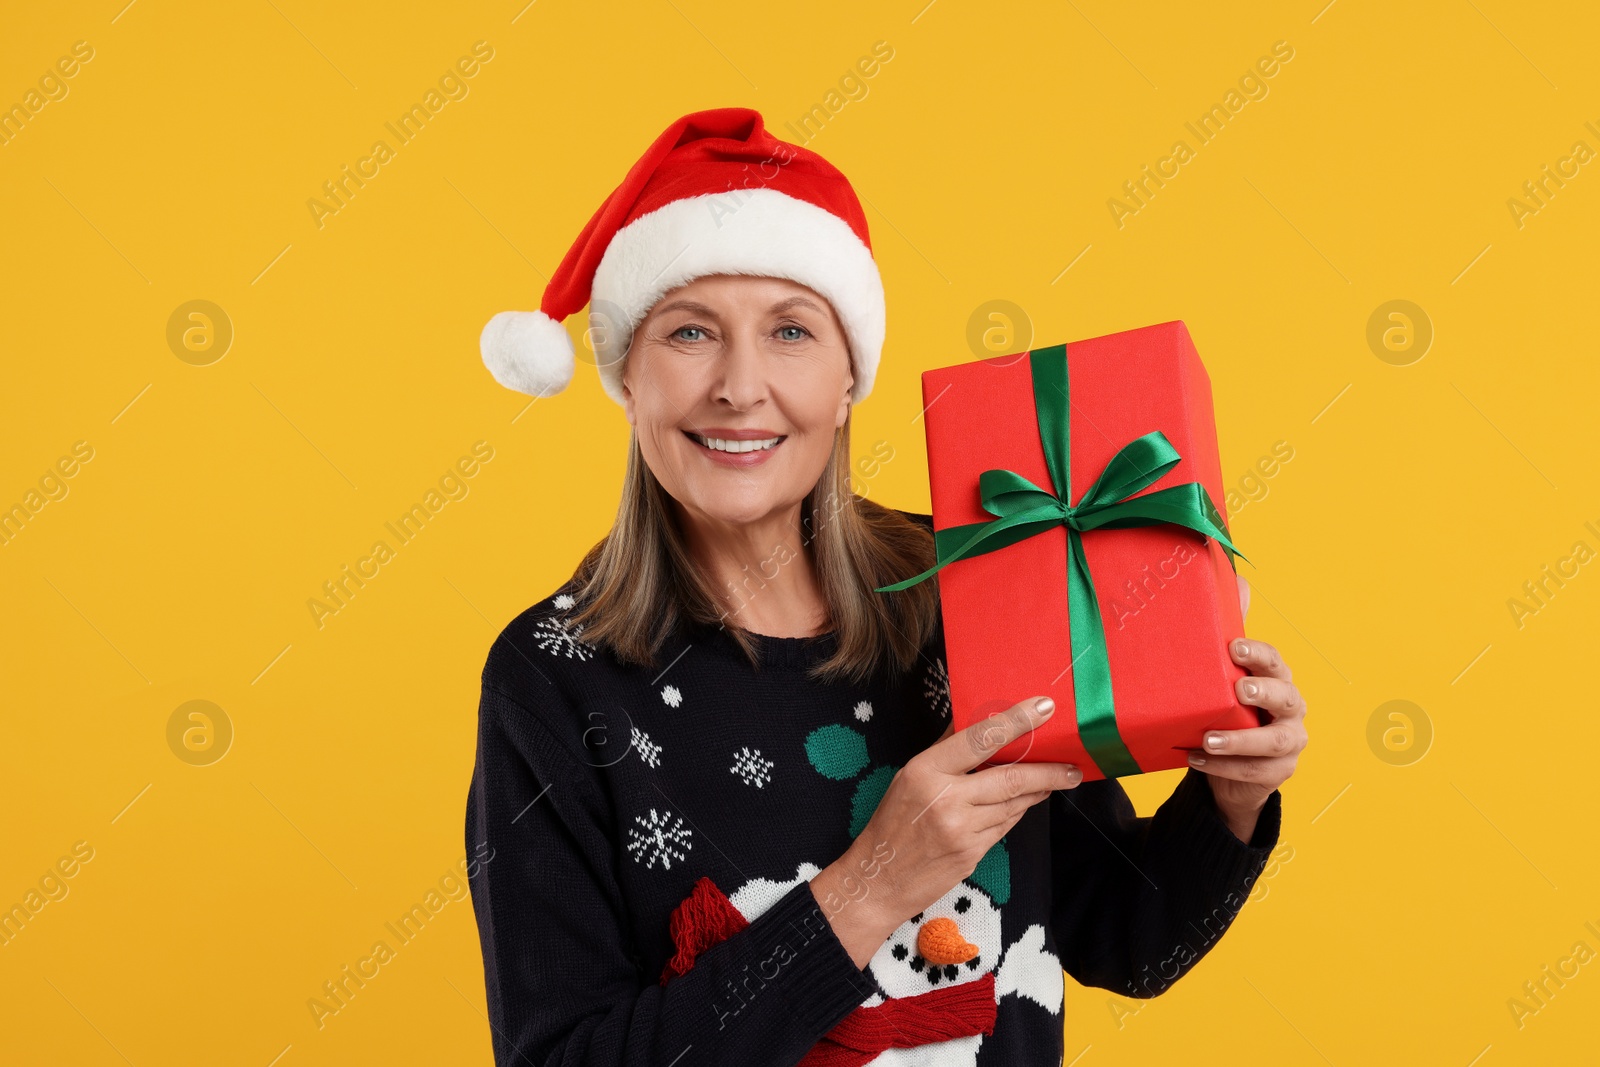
(1167, 594)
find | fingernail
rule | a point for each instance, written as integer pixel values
(1196, 760)
(1044, 706)
(1251, 689)
(1214, 741)
(1074, 775)
(1241, 648)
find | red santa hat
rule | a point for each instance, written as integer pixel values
(714, 194)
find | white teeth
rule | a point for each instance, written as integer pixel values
(736, 446)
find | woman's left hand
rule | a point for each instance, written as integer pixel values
(1245, 766)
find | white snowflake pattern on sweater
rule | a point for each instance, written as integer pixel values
(660, 836)
(560, 638)
(648, 750)
(671, 696)
(751, 767)
(936, 687)
(864, 710)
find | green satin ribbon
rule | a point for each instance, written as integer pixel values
(1023, 510)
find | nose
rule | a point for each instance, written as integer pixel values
(743, 379)
(940, 942)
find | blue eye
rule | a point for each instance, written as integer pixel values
(680, 330)
(791, 326)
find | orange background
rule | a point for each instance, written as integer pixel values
(1431, 863)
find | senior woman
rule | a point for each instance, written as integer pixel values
(725, 815)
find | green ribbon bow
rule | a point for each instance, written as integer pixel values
(1023, 510)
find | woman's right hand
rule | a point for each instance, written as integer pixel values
(935, 822)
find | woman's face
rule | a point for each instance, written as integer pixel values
(736, 361)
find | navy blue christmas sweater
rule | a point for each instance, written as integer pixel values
(651, 835)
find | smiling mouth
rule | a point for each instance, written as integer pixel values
(736, 447)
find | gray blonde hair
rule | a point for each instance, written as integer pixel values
(639, 581)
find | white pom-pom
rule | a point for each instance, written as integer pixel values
(528, 351)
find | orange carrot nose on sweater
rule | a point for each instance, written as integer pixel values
(941, 942)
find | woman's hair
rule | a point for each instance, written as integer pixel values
(637, 583)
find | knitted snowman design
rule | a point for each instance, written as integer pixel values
(955, 941)
(940, 976)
